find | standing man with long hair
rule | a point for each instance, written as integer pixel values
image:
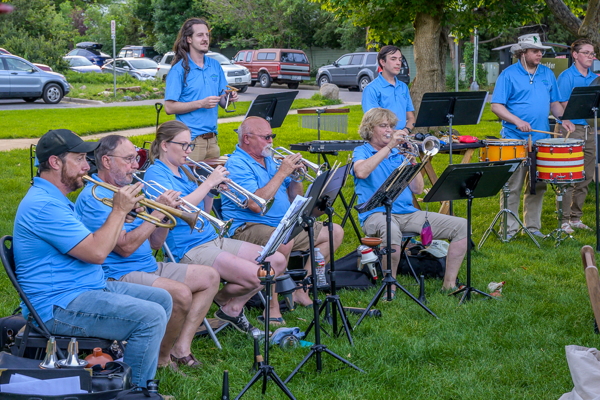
(196, 84)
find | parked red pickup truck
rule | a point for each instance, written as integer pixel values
(275, 65)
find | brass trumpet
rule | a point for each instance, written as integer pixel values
(244, 195)
(300, 175)
(222, 227)
(169, 212)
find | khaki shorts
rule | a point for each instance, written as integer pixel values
(205, 149)
(169, 270)
(259, 234)
(207, 253)
(443, 226)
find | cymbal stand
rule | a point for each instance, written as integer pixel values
(503, 217)
(559, 234)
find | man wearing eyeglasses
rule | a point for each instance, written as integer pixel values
(196, 85)
(192, 287)
(525, 93)
(252, 166)
(579, 74)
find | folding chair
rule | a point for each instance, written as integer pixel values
(35, 334)
(593, 282)
(212, 326)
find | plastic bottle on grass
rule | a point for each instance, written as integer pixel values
(320, 268)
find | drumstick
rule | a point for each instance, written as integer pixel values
(549, 133)
(529, 144)
(567, 135)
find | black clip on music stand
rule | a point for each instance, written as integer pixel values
(282, 231)
(324, 204)
(273, 107)
(583, 104)
(308, 224)
(470, 181)
(451, 108)
(386, 195)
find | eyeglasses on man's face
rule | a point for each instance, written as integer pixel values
(588, 54)
(266, 137)
(127, 159)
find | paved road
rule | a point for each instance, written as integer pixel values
(304, 92)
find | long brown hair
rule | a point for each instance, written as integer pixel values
(181, 47)
(164, 133)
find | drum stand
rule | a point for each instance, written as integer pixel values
(503, 217)
(559, 234)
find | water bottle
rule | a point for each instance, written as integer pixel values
(320, 268)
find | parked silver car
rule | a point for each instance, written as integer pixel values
(81, 64)
(236, 75)
(21, 79)
(141, 69)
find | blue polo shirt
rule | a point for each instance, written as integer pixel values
(365, 188)
(93, 214)
(572, 78)
(251, 175)
(200, 83)
(46, 229)
(380, 93)
(179, 239)
(528, 101)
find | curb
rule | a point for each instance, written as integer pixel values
(83, 101)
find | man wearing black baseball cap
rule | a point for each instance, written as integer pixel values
(58, 260)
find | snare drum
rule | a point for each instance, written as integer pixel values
(560, 160)
(502, 150)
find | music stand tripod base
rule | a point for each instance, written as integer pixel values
(559, 234)
(502, 216)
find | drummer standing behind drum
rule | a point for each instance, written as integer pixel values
(579, 74)
(525, 93)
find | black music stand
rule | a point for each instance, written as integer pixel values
(470, 181)
(583, 104)
(325, 198)
(287, 223)
(386, 195)
(273, 107)
(309, 220)
(460, 108)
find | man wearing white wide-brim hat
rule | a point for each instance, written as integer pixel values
(525, 94)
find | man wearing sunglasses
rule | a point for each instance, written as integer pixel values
(525, 93)
(579, 74)
(252, 166)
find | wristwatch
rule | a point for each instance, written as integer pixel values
(408, 129)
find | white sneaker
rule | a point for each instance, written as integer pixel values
(579, 225)
(567, 228)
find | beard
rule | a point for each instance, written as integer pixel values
(71, 182)
(266, 151)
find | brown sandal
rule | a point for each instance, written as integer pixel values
(188, 361)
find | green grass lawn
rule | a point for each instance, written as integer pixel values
(511, 348)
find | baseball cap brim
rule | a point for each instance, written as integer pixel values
(85, 147)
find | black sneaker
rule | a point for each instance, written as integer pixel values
(240, 323)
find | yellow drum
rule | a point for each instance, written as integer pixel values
(503, 149)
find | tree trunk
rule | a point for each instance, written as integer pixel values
(590, 26)
(430, 56)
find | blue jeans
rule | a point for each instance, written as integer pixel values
(121, 311)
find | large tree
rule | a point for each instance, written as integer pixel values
(432, 21)
(582, 21)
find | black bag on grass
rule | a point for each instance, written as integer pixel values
(347, 274)
(423, 263)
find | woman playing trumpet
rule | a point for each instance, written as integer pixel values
(233, 259)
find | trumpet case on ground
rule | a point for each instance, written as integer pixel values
(101, 385)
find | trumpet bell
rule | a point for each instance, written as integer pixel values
(431, 146)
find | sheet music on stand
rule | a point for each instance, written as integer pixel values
(393, 186)
(284, 229)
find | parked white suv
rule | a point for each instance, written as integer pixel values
(236, 75)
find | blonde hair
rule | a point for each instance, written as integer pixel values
(374, 117)
(167, 131)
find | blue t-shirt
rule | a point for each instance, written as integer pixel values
(200, 83)
(46, 229)
(365, 188)
(380, 93)
(572, 78)
(251, 175)
(528, 100)
(93, 214)
(180, 240)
